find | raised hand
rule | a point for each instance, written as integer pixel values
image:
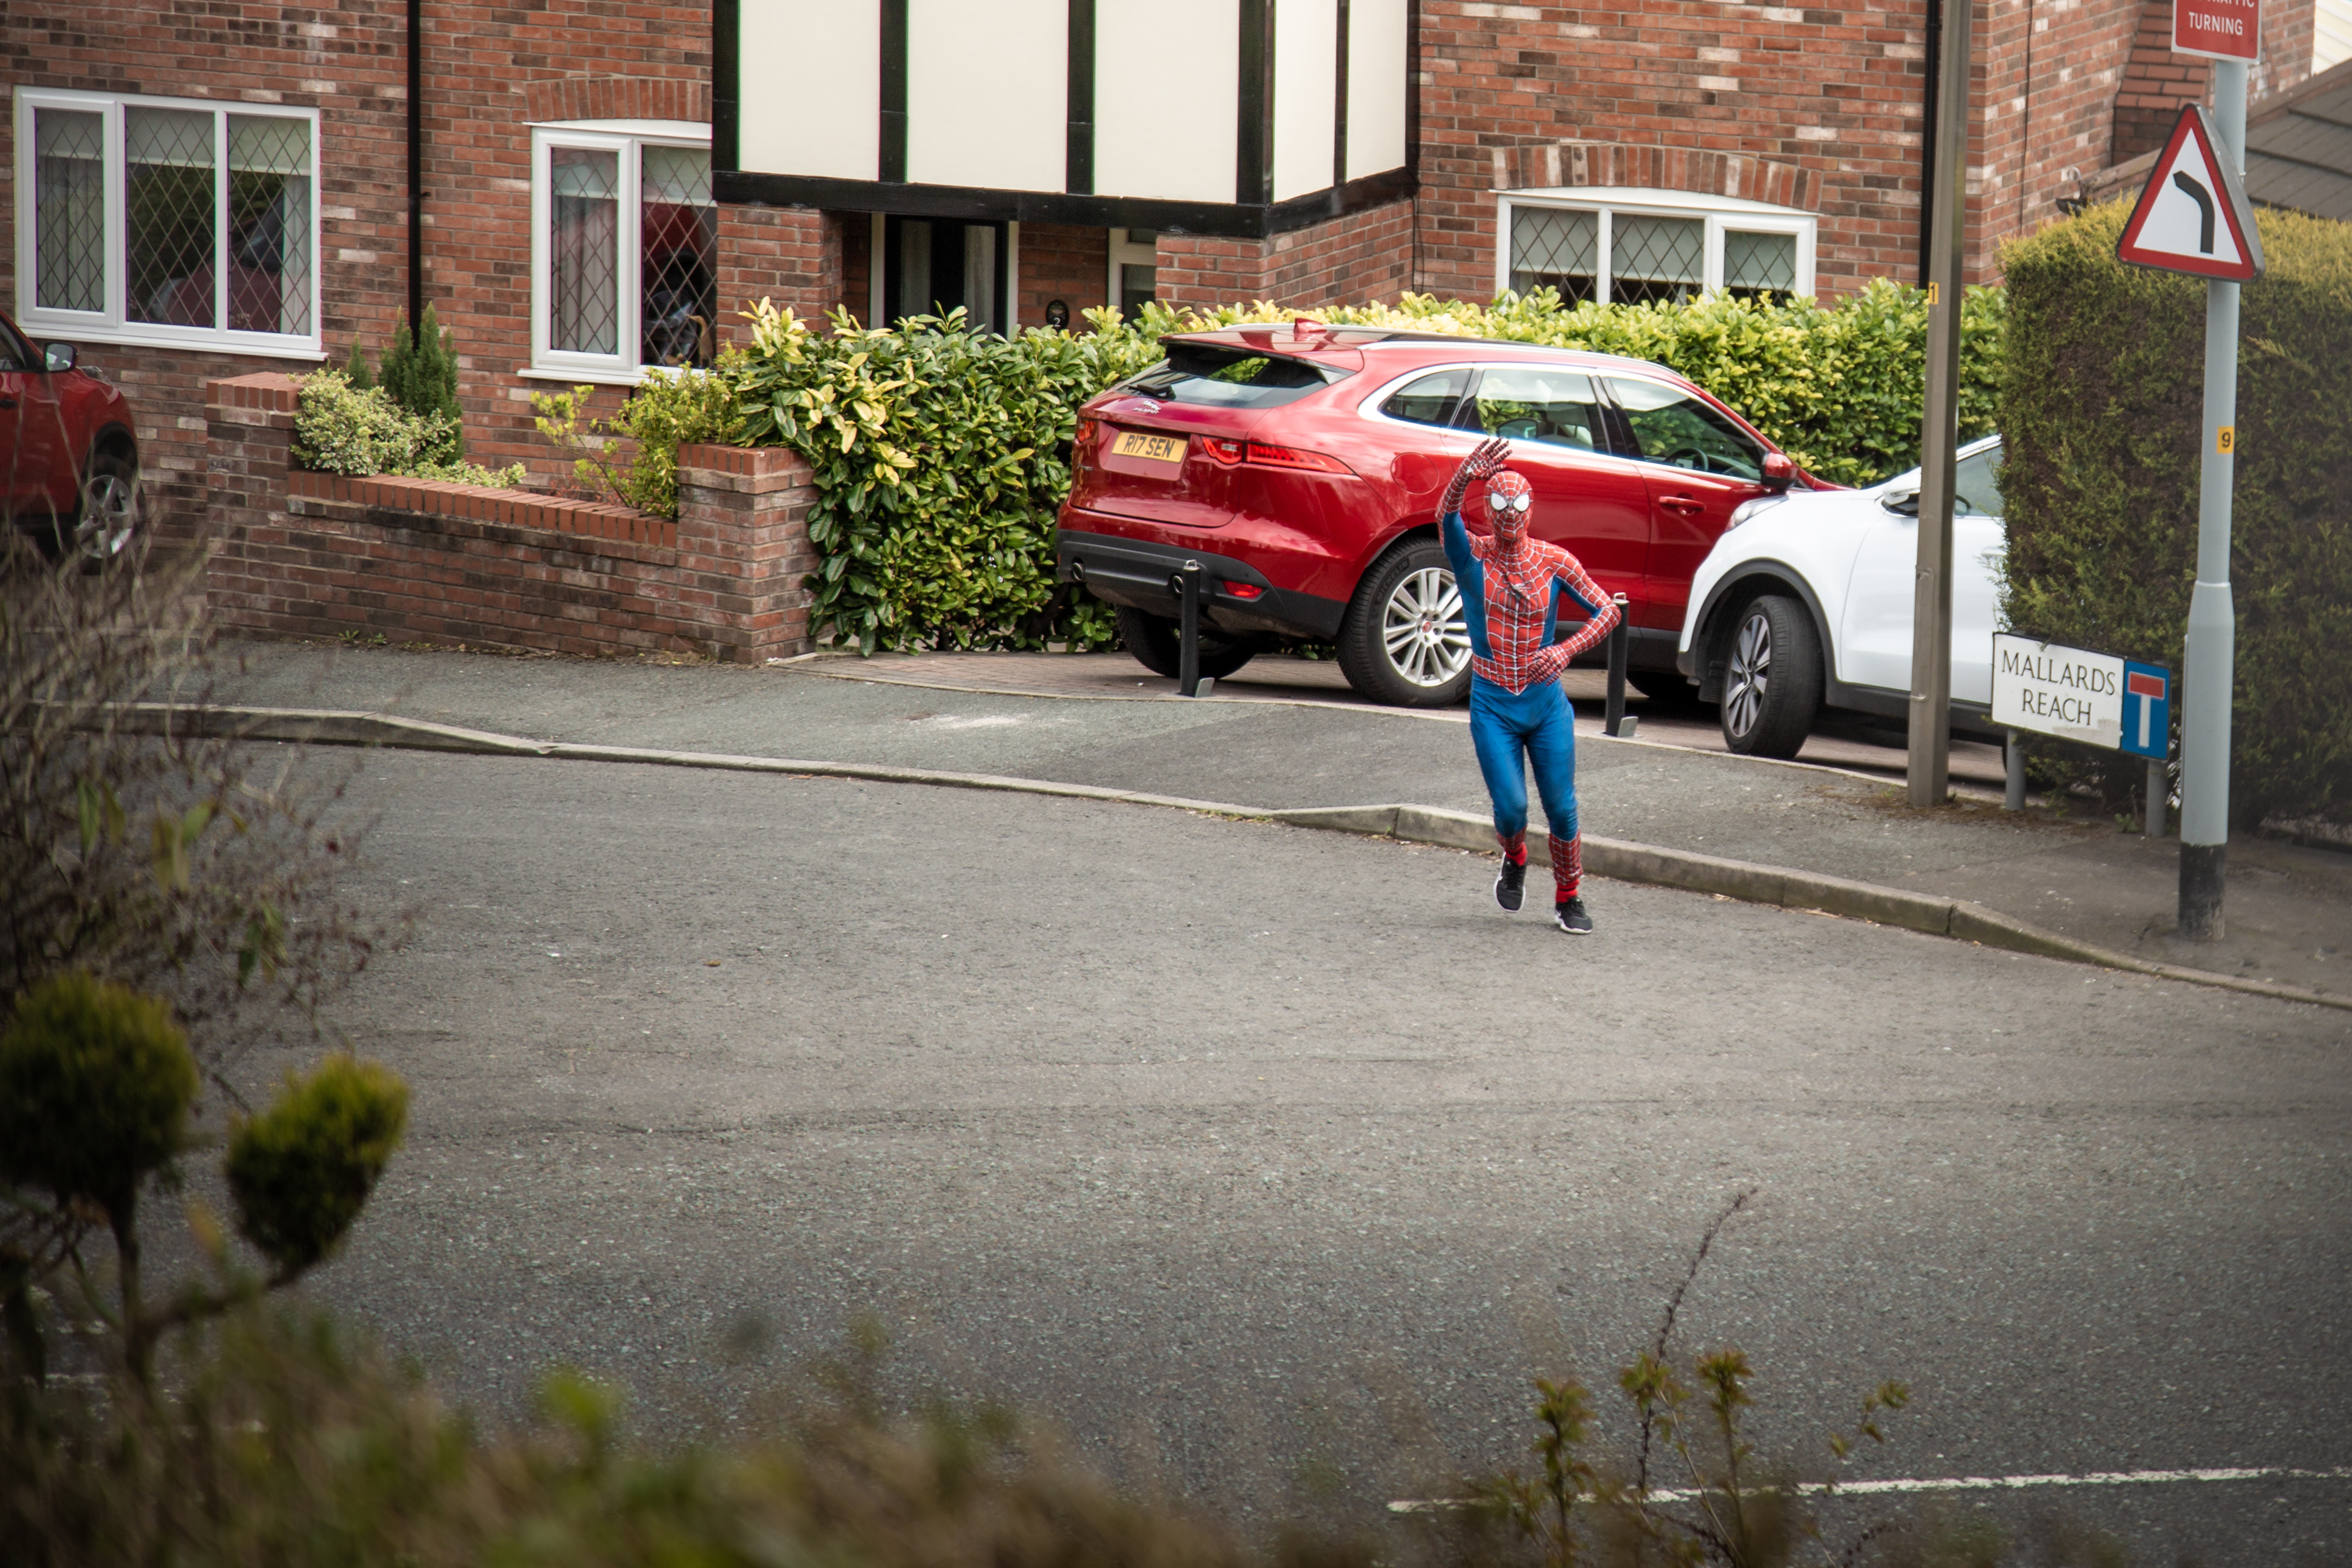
(1485, 461)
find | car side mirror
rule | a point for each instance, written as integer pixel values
(1779, 471)
(1904, 504)
(58, 357)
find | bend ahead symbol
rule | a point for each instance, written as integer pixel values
(2204, 200)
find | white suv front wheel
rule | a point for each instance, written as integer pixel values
(1772, 678)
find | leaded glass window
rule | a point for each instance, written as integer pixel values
(1654, 258)
(170, 203)
(155, 221)
(678, 269)
(1760, 264)
(1558, 249)
(70, 209)
(584, 274)
(270, 223)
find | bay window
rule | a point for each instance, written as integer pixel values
(168, 221)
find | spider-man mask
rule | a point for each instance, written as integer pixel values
(1509, 500)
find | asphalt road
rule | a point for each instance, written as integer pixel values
(1253, 1154)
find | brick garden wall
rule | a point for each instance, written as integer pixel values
(316, 555)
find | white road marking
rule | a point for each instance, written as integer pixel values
(1968, 1483)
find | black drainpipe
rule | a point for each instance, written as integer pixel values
(1926, 128)
(416, 163)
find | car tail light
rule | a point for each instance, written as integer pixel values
(1271, 456)
(1225, 452)
(1085, 439)
(1243, 589)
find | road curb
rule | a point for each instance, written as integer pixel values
(1616, 859)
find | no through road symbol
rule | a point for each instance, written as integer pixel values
(2193, 216)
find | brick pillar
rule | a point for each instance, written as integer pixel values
(743, 548)
(248, 429)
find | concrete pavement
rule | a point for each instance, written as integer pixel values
(2289, 911)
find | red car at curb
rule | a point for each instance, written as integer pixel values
(1299, 464)
(66, 450)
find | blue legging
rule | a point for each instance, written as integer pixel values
(1538, 724)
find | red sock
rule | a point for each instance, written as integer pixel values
(1515, 846)
(1567, 865)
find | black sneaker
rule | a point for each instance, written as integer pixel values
(1570, 918)
(1511, 887)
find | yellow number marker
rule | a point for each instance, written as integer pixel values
(2225, 439)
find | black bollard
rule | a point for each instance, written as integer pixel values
(1187, 584)
(1619, 645)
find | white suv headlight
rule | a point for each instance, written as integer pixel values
(1749, 509)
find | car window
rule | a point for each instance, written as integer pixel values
(15, 354)
(1432, 399)
(1978, 489)
(1535, 402)
(1671, 425)
(1230, 378)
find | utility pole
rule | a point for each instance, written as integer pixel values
(1929, 766)
(2209, 672)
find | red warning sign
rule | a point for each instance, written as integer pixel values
(2217, 29)
(2192, 214)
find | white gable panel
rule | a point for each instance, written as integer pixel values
(794, 118)
(1305, 94)
(988, 93)
(1167, 98)
(1376, 73)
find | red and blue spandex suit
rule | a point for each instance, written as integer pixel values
(1512, 594)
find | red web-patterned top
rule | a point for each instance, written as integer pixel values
(1512, 603)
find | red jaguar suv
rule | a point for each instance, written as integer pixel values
(1299, 465)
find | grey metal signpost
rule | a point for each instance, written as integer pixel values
(1928, 765)
(2210, 661)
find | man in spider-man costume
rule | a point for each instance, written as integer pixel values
(1512, 591)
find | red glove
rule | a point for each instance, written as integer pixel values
(1485, 461)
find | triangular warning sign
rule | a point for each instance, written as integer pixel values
(2193, 216)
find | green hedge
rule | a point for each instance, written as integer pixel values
(2103, 403)
(941, 455)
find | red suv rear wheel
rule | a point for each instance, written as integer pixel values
(1406, 641)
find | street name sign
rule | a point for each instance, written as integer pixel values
(2217, 29)
(2192, 215)
(2076, 694)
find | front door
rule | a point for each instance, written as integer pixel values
(30, 446)
(933, 266)
(1698, 466)
(1587, 501)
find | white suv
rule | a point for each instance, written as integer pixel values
(1812, 571)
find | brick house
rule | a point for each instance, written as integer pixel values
(198, 193)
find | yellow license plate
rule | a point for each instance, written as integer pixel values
(1150, 448)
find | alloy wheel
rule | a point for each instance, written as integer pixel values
(1424, 628)
(110, 517)
(1751, 673)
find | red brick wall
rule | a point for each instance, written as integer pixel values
(2054, 68)
(1061, 261)
(1833, 94)
(1363, 257)
(316, 555)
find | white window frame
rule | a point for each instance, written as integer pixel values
(625, 138)
(1720, 213)
(111, 324)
